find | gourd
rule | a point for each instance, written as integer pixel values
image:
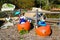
(25, 26)
(43, 30)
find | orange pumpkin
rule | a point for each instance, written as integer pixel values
(43, 30)
(25, 26)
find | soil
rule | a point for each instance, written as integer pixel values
(12, 34)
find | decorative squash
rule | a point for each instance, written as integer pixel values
(43, 30)
(25, 26)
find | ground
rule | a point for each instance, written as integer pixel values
(12, 34)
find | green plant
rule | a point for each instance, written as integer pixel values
(57, 6)
(23, 32)
(52, 15)
(46, 7)
(21, 38)
(9, 5)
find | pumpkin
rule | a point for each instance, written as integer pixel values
(43, 30)
(25, 26)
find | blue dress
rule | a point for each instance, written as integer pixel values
(41, 23)
(22, 20)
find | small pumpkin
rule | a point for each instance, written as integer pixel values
(25, 26)
(43, 30)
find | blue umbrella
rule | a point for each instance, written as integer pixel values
(17, 13)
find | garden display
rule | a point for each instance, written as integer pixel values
(42, 29)
(23, 25)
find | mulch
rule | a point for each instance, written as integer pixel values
(12, 34)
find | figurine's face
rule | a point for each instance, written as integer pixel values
(22, 17)
(42, 17)
(40, 14)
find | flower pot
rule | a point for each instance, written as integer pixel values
(25, 26)
(43, 30)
